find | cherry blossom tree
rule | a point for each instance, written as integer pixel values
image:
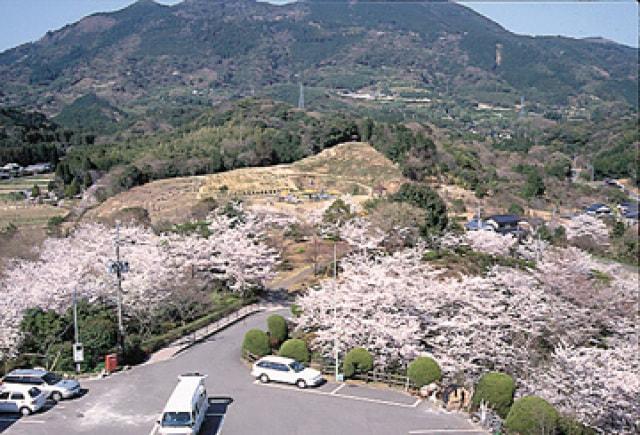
(524, 322)
(234, 254)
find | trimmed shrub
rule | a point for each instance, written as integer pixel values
(278, 330)
(496, 389)
(423, 371)
(532, 415)
(357, 360)
(256, 342)
(295, 348)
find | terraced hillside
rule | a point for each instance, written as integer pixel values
(342, 169)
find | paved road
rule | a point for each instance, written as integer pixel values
(130, 402)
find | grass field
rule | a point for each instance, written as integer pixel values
(24, 183)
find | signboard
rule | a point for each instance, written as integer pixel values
(78, 353)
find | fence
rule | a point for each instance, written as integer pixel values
(221, 323)
(394, 380)
(375, 376)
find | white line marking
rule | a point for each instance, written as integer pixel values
(344, 396)
(219, 431)
(418, 402)
(154, 429)
(338, 388)
(33, 421)
(425, 431)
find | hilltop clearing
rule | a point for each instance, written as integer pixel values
(352, 168)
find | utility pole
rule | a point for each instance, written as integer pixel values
(119, 267)
(75, 326)
(301, 95)
(335, 307)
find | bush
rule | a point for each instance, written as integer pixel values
(256, 342)
(496, 389)
(295, 348)
(277, 326)
(532, 415)
(357, 360)
(571, 426)
(423, 371)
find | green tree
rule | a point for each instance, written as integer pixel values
(72, 189)
(531, 415)
(357, 360)
(296, 349)
(35, 191)
(338, 212)
(423, 371)
(495, 389)
(534, 185)
(422, 196)
(278, 330)
(256, 342)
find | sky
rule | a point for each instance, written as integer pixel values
(28, 20)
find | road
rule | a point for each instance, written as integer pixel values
(130, 402)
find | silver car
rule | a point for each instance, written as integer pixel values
(23, 399)
(52, 384)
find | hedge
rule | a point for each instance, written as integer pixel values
(278, 330)
(532, 415)
(495, 389)
(357, 360)
(423, 371)
(296, 349)
(256, 342)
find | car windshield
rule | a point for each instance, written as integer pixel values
(176, 419)
(296, 366)
(34, 392)
(51, 378)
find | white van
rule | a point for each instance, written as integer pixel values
(187, 407)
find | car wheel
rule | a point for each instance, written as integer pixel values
(264, 378)
(56, 396)
(25, 411)
(301, 383)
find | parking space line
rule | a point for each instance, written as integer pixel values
(427, 431)
(154, 429)
(33, 421)
(417, 402)
(219, 431)
(344, 396)
(338, 388)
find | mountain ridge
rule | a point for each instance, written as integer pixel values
(236, 47)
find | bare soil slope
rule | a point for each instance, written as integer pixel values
(344, 169)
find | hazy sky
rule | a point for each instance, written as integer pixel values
(27, 20)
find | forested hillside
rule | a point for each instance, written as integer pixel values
(148, 55)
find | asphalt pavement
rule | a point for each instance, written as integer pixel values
(130, 403)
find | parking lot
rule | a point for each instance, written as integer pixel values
(131, 402)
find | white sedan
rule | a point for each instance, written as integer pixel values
(287, 370)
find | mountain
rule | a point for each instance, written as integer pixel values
(199, 52)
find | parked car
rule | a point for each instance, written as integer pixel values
(22, 398)
(53, 385)
(287, 370)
